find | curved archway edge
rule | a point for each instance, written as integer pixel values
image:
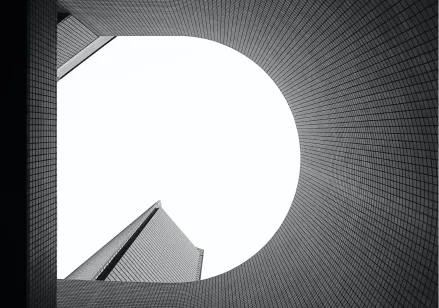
(361, 81)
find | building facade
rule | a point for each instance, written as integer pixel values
(150, 249)
(360, 78)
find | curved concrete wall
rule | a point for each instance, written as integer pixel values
(360, 78)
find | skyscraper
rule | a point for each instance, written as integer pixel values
(360, 78)
(150, 249)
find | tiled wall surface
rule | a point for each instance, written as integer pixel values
(360, 78)
(72, 37)
(41, 153)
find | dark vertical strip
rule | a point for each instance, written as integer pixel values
(14, 17)
(200, 263)
(26, 204)
(104, 274)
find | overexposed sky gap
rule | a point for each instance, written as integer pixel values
(187, 121)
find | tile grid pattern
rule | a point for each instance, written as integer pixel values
(41, 153)
(361, 80)
(73, 37)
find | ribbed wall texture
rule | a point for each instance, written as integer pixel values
(161, 253)
(41, 154)
(94, 265)
(361, 80)
(72, 37)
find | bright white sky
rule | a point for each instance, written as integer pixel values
(187, 121)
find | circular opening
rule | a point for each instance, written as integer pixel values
(187, 121)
